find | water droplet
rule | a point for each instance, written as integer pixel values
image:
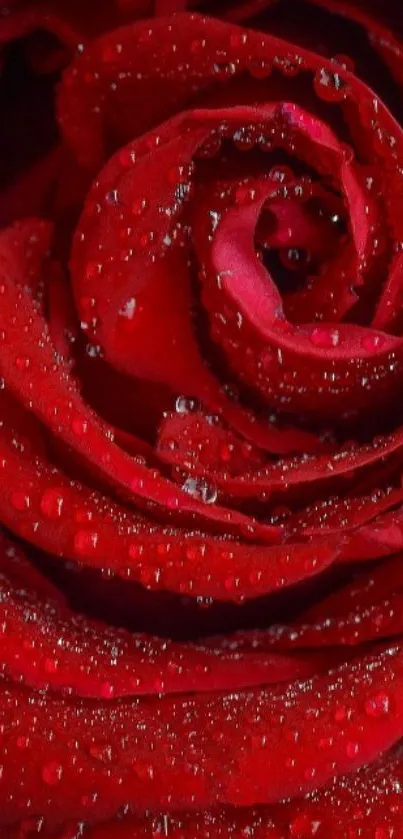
(238, 39)
(111, 52)
(52, 773)
(289, 67)
(243, 139)
(106, 690)
(329, 85)
(32, 827)
(102, 753)
(51, 665)
(79, 426)
(267, 360)
(225, 452)
(139, 206)
(52, 503)
(281, 174)
(145, 771)
(186, 405)
(20, 501)
(377, 705)
(179, 175)
(340, 713)
(210, 148)
(259, 68)
(127, 157)
(344, 61)
(200, 489)
(304, 827)
(83, 516)
(384, 832)
(244, 194)
(224, 71)
(22, 363)
(85, 541)
(294, 258)
(128, 309)
(112, 197)
(352, 749)
(372, 342)
(325, 338)
(135, 550)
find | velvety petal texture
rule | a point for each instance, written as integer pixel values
(201, 420)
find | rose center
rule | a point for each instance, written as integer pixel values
(297, 241)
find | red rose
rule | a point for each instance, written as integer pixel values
(201, 363)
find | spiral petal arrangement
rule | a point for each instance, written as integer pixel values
(201, 435)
